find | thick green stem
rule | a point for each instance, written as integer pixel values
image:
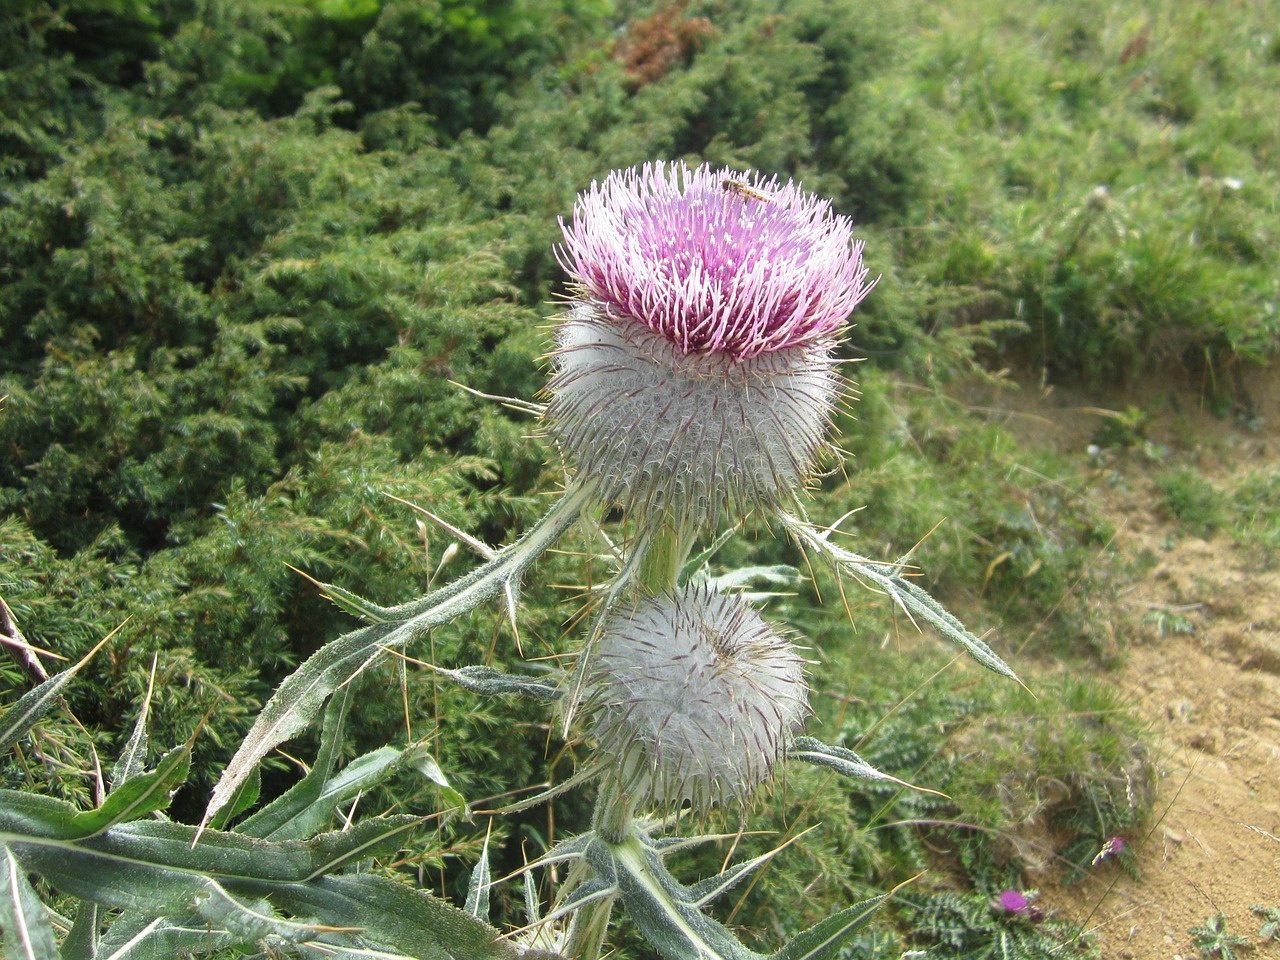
(587, 931)
(667, 553)
(614, 814)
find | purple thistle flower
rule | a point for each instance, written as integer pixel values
(1019, 904)
(714, 263)
(696, 697)
(1012, 901)
(694, 370)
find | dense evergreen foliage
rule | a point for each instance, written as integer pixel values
(250, 249)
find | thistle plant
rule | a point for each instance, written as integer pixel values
(693, 382)
(1212, 939)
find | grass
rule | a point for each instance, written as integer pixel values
(1102, 176)
(1191, 499)
(1246, 507)
(1023, 782)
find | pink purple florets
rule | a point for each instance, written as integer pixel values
(715, 262)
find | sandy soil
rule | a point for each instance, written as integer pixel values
(1211, 696)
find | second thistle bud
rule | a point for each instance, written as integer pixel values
(696, 698)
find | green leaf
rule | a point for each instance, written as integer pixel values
(134, 936)
(842, 760)
(33, 814)
(427, 765)
(478, 886)
(28, 935)
(669, 916)
(665, 911)
(369, 838)
(704, 891)
(39, 700)
(490, 682)
(301, 695)
(81, 942)
(351, 603)
(139, 795)
(302, 809)
(226, 880)
(778, 576)
(298, 699)
(244, 797)
(391, 914)
(133, 758)
(131, 868)
(151, 864)
(914, 599)
(907, 595)
(695, 564)
(309, 805)
(826, 937)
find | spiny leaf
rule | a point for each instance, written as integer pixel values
(139, 795)
(826, 937)
(704, 891)
(82, 940)
(244, 797)
(299, 811)
(301, 695)
(133, 758)
(907, 595)
(661, 907)
(134, 936)
(345, 600)
(394, 915)
(843, 761)
(36, 815)
(478, 886)
(491, 682)
(28, 935)
(129, 856)
(427, 765)
(36, 702)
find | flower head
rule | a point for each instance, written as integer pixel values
(1019, 904)
(714, 261)
(693, 372)
(696, 697)
(1013, 901)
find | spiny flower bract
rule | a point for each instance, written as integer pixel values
(697, 698)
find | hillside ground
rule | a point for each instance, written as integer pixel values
(1197, 632)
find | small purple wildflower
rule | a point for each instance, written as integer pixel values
(711, 269)
(1019, 904)
(1013, 901)
(1112, 848)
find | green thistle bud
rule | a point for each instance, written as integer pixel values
(696, 698)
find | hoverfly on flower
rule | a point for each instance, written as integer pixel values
(740, 189)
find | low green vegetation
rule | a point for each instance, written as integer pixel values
(1246, 507)
(1213, 940)
(251, 249)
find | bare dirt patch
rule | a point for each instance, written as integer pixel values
(1198, 624)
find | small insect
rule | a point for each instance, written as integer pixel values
(740, 189)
